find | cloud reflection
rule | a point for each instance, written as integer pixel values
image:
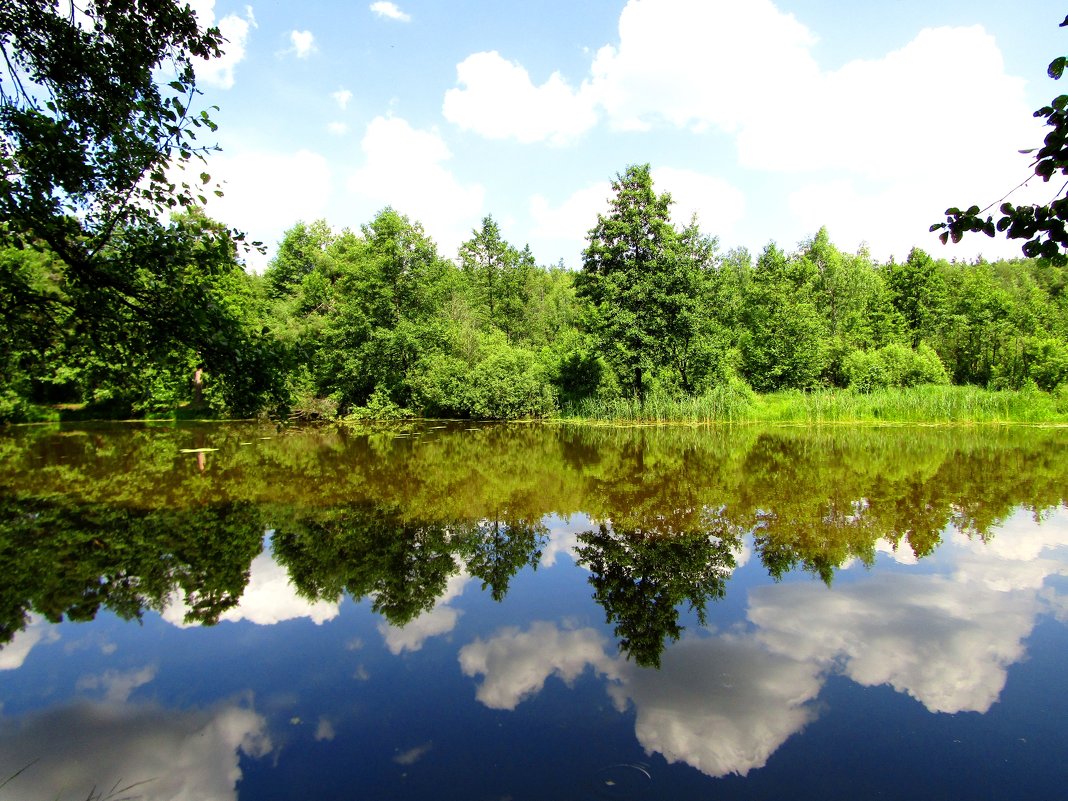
(725, 703)
(438, 621)
(39, 631)
(515, 664)
(269, 598)
(180, 756)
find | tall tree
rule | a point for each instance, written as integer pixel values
(629, 276)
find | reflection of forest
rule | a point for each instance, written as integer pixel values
(120, 518)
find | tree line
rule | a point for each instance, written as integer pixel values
(377, 323)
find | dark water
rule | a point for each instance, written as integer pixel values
(529, 612)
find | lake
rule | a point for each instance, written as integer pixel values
(473, 611)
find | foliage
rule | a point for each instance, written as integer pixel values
(894, 365)
(1042, 226)
(644, 283)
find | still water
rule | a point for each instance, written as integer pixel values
(437, 611)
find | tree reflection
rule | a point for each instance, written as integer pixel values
(120, 518)
(70, 560)
(642, 575)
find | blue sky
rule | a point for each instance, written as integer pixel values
(766, 119)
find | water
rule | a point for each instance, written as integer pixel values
(533, 612)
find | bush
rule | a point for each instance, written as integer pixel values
(893, 365)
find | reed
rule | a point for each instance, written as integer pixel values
(925, 404)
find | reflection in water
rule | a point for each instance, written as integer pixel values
(372, 515)
(70, 750)
(642, 576)
(657, 521)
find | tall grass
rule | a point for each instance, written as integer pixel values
(720, 404)
(925, 404)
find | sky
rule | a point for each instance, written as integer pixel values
(766, 119)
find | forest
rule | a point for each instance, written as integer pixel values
(121, 298)
(376, 323)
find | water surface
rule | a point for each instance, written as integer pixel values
(527, 612)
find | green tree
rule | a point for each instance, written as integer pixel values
(782, 345)
(90, 143)
(500, 277)
(918, 291)
(643, 284)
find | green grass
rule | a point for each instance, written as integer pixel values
(927, 404)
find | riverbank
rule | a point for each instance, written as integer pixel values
(925, 404)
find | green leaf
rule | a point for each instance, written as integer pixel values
(204, 177)
(1056, 67)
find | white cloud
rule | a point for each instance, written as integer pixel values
(405, 168)
(721, 705)
(303, 43)
(269, 598)
(253, 182)
(703, 62)
(947, 643)
(389, 11)
(561, 231)
(515, 664)
(219, 72)
(180, 756)
(719, 206)
(37, 632)
(342, 98)
(118, 685)
(338, 128)
(438, 621)
(499, 101)
(413, 755)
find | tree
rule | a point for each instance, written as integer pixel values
(644, 282)
(783, 344)
(500, 277)
(90, 143)
(1044, 227)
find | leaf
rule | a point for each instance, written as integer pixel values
(177, 86)
(204, 177)
(1056, 67)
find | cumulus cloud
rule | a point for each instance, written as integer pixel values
(389, 11)
(219, 72)
(438, 621)
(269, 598)
(498, 100)
(118, 685)
(37, 632)
(722, 705)
(405, 168)
(703, 62)
(561, 230)
(180, 756)
(254, 180)
(886, 145)
(515, 664)
(303, 43)
(718, 205)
